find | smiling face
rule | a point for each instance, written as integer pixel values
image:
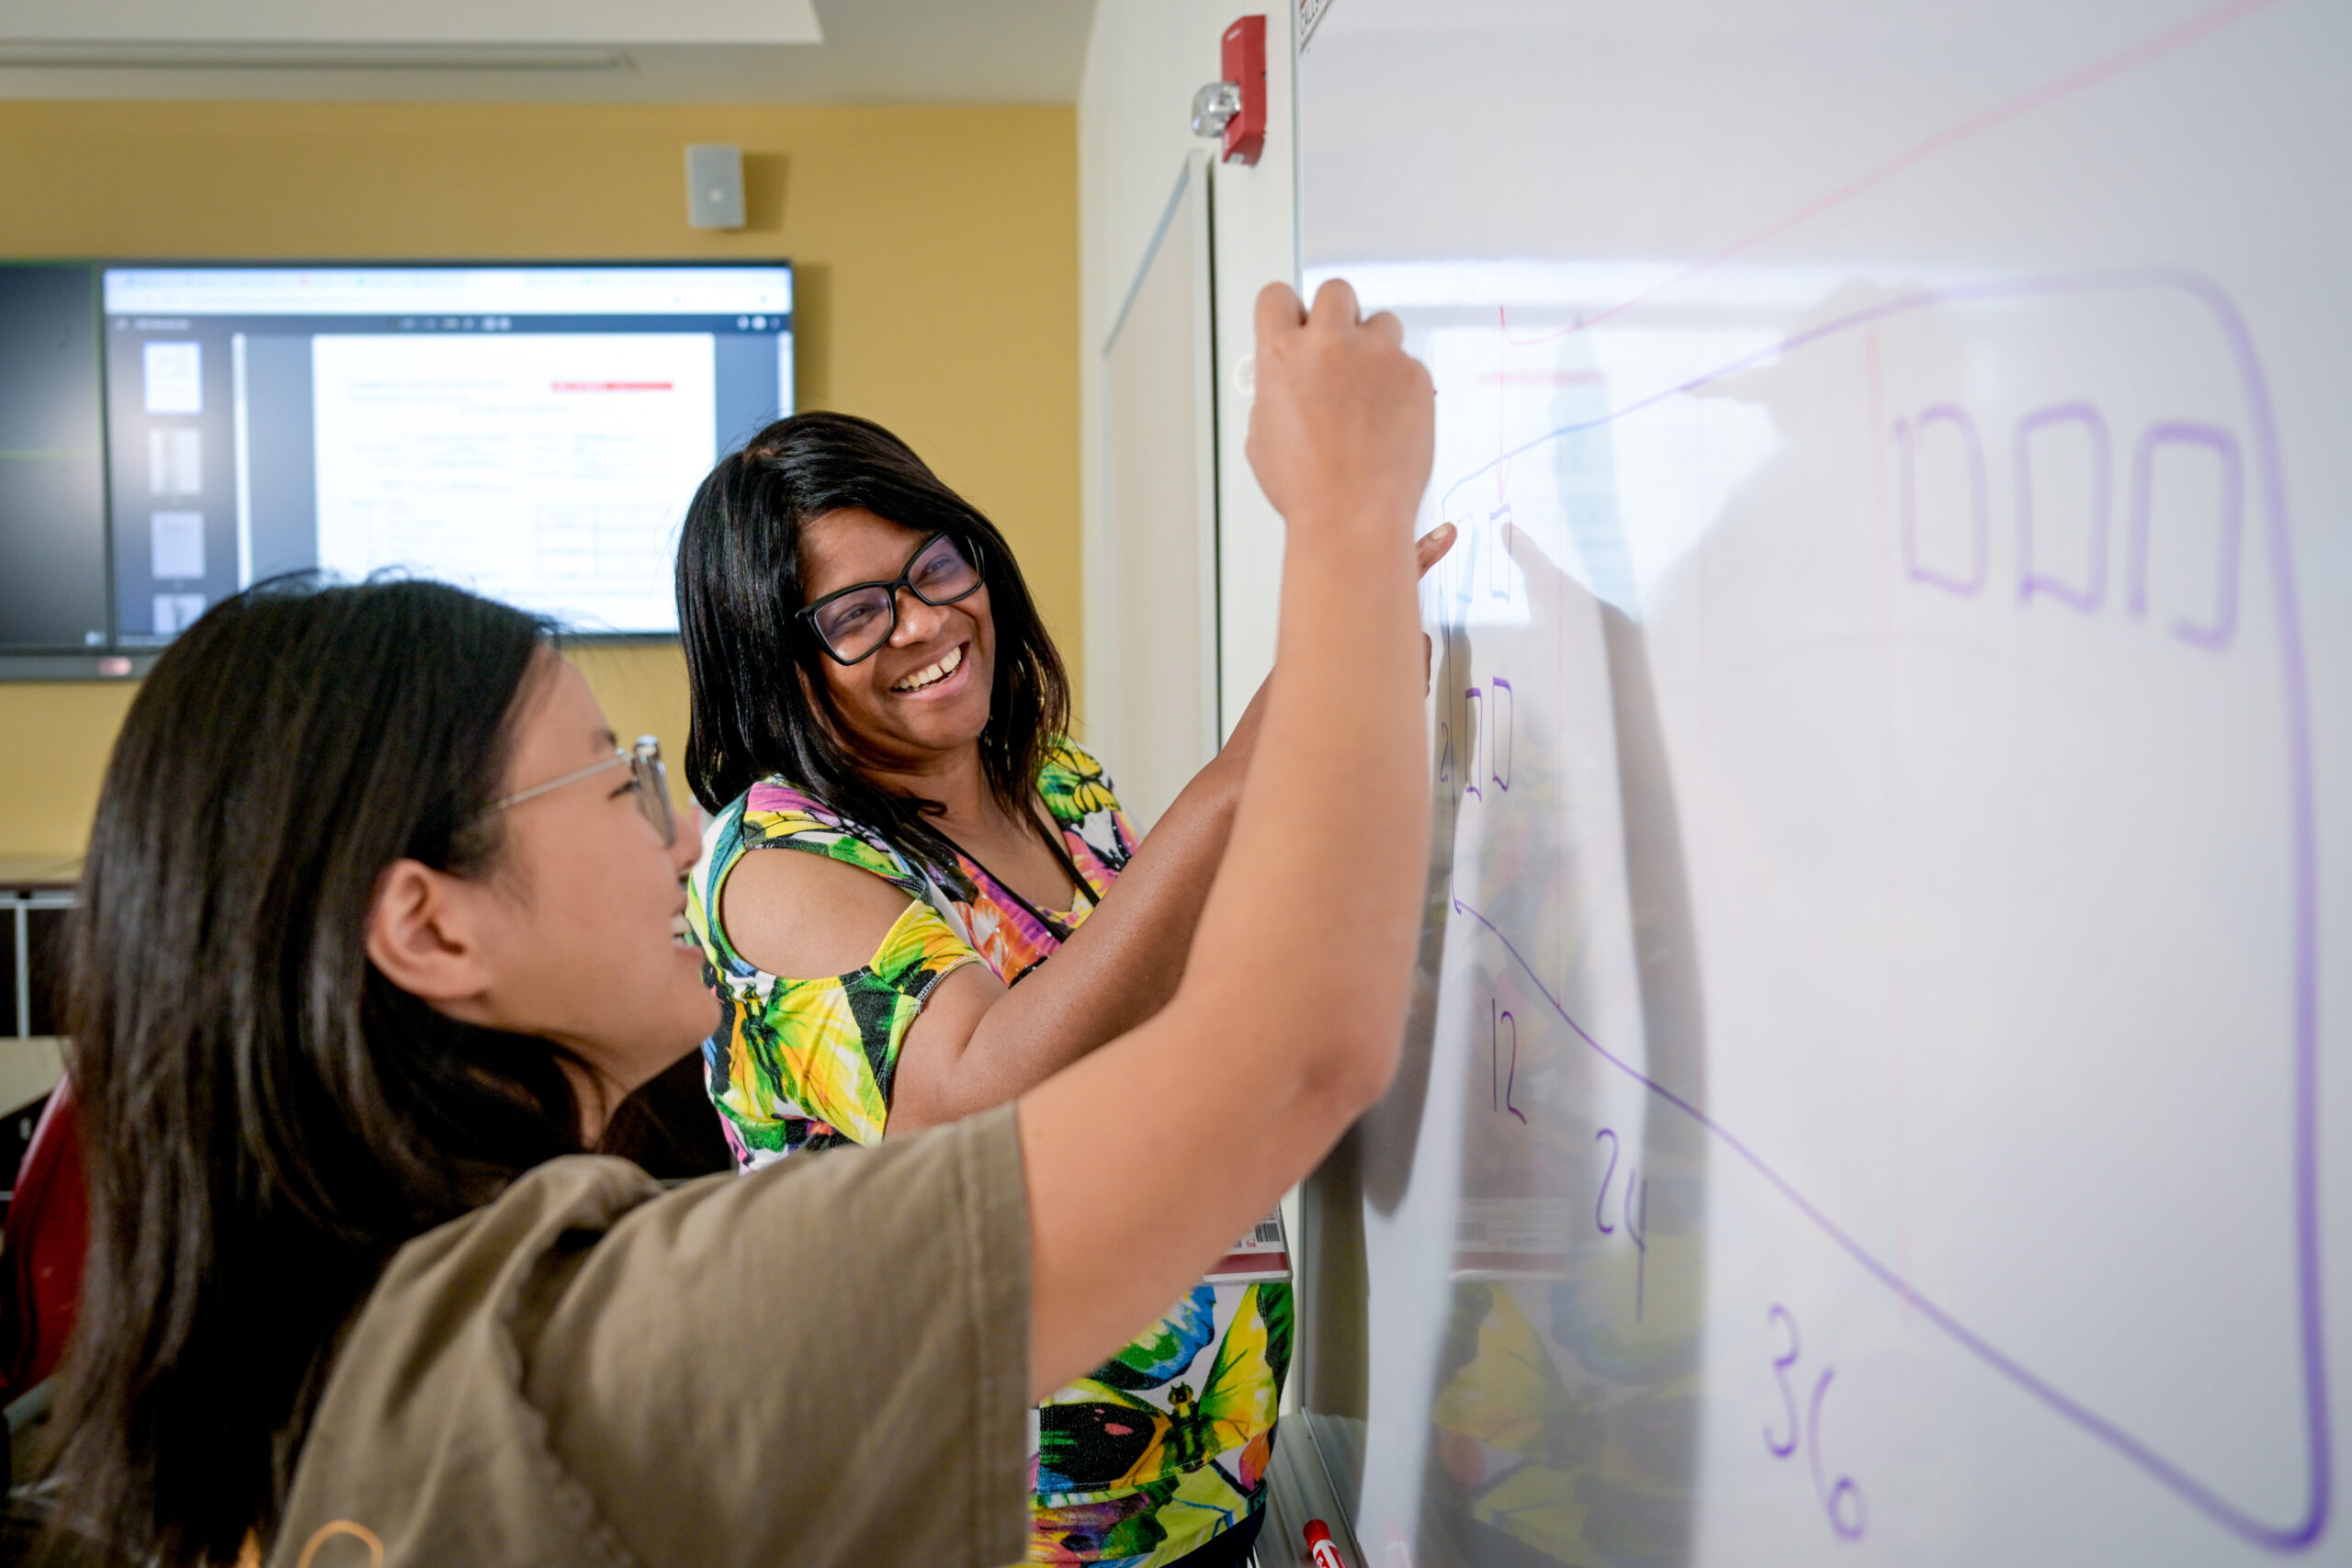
(588, 944)
(924, 693)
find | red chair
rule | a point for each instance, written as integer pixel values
(42, 1248)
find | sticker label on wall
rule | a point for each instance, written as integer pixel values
(1263, 1253)
(1512, 1238)
(1309, 13)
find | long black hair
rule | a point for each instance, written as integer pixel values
(759, 702)
(265, 1117)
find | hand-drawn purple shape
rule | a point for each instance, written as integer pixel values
(1822, 1488)
(1510, 1084)
(2087, 598)
(1830, 1493)
(1498, 1087)
(2224, 447)
(1636, 1224)
(1510, 740)
(1600, 1199)
(2303, 830)
(1980, 526)
(1498, 559)
(1477, 728)
(1776, 1313)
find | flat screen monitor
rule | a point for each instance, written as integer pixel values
(533, 433)
(52, 484)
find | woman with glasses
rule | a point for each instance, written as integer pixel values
(414, 923)
(872, 686)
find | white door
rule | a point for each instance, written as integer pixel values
(1152, 669)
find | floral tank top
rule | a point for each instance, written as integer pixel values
(1166, 1445)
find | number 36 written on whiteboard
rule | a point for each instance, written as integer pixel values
(1841, 1499)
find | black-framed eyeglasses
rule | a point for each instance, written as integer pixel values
(646, 776)
(851, 623)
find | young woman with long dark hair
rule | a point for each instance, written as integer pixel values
(872, 684)
(380, 922)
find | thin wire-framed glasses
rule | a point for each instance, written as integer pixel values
(851, 624)
(646, 777)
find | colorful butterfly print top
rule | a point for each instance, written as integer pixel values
(1166, 1445)
(808, 1063)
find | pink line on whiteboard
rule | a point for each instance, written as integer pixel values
(2146, 54)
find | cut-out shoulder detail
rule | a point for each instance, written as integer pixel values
(802, 916)
(774, 1026)
(807, 1063)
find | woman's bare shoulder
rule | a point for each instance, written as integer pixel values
(804, 915)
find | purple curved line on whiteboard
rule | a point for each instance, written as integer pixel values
(2088, 597)
(1510, 1084)
(2302, 828)
(2171, 1475)
(1781, 1365)
(1477, 731)
(1821, 1486)
(2224, 448)
(1907, 437)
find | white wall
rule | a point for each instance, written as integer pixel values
(1143, 63)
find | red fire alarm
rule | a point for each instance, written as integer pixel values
(1235, 109)
(1244, 67)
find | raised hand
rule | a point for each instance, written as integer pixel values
(1342, 431)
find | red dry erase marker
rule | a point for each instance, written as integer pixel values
(1319, 1544)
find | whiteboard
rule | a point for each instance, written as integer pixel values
(1868, 1095)
(1152, 682)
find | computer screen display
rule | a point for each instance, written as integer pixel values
(53, 485)
(533, 433)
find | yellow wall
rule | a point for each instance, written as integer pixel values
(937, 251)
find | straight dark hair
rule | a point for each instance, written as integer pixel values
(265, 1118)
(760, 703)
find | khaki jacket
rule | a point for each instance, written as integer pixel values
(824, 1365)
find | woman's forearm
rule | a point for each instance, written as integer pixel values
(1116, 971)
(1125, 963)
(1287, 1022)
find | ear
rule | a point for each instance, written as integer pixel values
(421, 933)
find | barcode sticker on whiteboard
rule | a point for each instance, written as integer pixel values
(1512, 1238)
(1262, 1254)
